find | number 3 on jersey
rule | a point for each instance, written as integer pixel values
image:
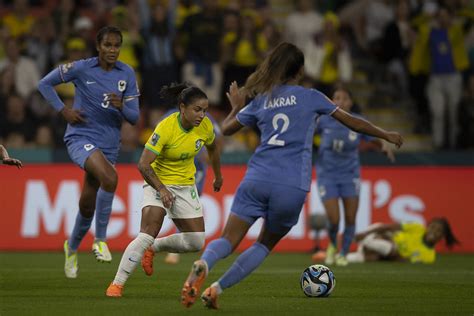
(276, 126)
(106, 102)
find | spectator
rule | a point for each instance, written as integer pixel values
(440, 52)
(44, 137)
(7, 86)
(43, 45)
(84, 28)
(16, 121)
(241, 52)
(201, 33)
(183, 10)
(271, 34)
(126, 19)
(19, 21)
(396, 43)
(328, 59)
(76, 49)
(25, 71)
(466, 117)
(64, 15)
(301, 25)
(158, 33)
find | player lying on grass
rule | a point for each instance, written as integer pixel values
(412, 242)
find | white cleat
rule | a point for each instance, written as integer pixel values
(101, 251)
(70, 264)
(341, 261)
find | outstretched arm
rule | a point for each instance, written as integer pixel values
(384, 148)
(378, 229)
(6, 160)
(230, 125)
(215, 158)
(362, 126)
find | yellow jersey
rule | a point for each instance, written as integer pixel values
(176, 148)
(410, 244)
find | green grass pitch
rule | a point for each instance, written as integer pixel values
(34, 284)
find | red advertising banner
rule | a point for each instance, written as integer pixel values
(39, 205)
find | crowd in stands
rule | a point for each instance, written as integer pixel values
(425, 49)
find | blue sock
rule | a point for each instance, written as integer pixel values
(215, 251)
(333, 233)
(349, 232)
(81, 226)
(103, 208)
(248, 261)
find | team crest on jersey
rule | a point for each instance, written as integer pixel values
(198, 144)
(65, 68)
(154, 139)
(352, 135)
(122, 85)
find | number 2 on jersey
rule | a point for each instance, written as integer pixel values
(275, 122)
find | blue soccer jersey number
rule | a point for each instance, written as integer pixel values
(276, 126)
(105, 103)
(338, 145)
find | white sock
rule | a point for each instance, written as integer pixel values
(355, 257)
(180, 242)
(218, 287)
(132, 257)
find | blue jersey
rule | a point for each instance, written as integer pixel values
(93, 84)
(338, 155)
(286, 119)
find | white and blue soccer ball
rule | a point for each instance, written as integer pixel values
(317, 281)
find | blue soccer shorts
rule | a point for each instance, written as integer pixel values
(332, 190)
(279, 205)
(80, 149)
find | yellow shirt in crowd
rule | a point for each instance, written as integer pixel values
(410, 244)
(176, 148)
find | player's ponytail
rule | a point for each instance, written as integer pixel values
(448, 233)
(177, 93)
(281, 65)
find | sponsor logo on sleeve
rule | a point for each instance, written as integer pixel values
(65, 68)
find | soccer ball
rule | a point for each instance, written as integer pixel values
(317, 281)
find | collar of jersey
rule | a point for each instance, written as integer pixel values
(181, 126)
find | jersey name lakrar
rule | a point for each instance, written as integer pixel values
(286, 119)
